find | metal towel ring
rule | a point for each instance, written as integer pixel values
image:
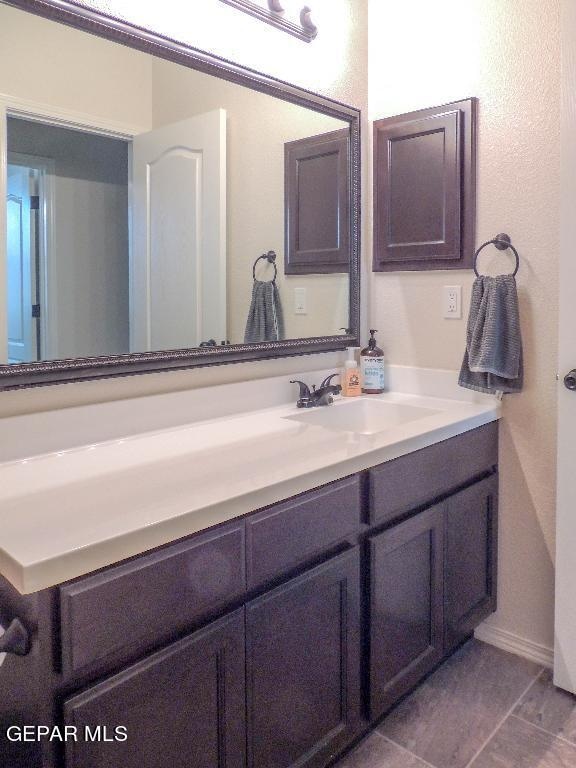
(502, 242)
(270, 257)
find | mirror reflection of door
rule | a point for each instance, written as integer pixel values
(22, 262)
(81, 281)
(179, 214)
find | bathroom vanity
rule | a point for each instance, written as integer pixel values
(278, 636)
(210, 578)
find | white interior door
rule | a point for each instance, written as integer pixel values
(178, 263)
(19, 251)
(565, 627)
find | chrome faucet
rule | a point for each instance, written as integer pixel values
(317, 397)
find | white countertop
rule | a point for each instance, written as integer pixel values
(68, 512)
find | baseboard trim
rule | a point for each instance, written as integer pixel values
(508, 641)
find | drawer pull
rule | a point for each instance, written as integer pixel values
(15, 639)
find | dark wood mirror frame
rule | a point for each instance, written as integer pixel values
(79, 369)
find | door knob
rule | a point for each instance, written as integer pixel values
(15, 639)
(570, 380)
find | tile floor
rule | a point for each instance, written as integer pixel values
(484, 708)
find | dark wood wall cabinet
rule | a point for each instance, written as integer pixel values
(425, 189)
(275, 640)
(317, 208)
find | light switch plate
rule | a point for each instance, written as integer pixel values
(452, 302)
(300, 301)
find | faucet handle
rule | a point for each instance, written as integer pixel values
(328, 379)
(304, 389)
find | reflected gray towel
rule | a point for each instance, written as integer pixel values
(265, 319)
(493, 358)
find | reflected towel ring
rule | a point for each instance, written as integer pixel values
(502, 242)
(270, 257)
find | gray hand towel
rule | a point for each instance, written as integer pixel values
(493, 357)
(265, 318)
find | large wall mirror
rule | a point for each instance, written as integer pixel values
(162, 208)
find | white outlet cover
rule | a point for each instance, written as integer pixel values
(452, 302)
(300, 301)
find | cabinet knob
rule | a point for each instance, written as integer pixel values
(15, 639)
(570, 380)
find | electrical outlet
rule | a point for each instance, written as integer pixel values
(300, 301)
(452, 302)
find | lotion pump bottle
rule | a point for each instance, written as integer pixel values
(351, 377)
(372, 365)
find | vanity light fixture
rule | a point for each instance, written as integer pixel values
(275, 14)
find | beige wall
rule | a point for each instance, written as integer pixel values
(257, 129)
(50, 64)
(507, 53)
(334, 65)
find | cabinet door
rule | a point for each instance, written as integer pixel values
(425, 189)
(183, 707)
(303, 667)
(406, 606)
(316, 199)
(471, 558)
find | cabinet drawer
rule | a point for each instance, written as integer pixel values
(287, 534)
(410, 481)
(123, 610)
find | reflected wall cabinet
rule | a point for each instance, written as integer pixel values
(425, 189)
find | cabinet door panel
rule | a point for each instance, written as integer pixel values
(406, 606)
(471, 558)
(183, 707)
(303, 667)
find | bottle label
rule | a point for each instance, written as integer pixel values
(373, 373)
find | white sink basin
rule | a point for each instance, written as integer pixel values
(362, 416)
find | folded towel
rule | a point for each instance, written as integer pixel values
(493, 358)
(265, 318)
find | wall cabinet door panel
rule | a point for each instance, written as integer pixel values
(317, 211)
(183, 707)
(471, 558)
(406, 606)
(303, 667)
(424, 188)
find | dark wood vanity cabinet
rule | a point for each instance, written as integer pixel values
(432, 580)
(303, 664)
(471, 558)
(406, 636)
(271, 641)
(182, 707)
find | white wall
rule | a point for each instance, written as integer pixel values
(334, 65)
(507, 53)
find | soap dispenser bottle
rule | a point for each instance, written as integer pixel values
(372, 367)
(351, 377)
